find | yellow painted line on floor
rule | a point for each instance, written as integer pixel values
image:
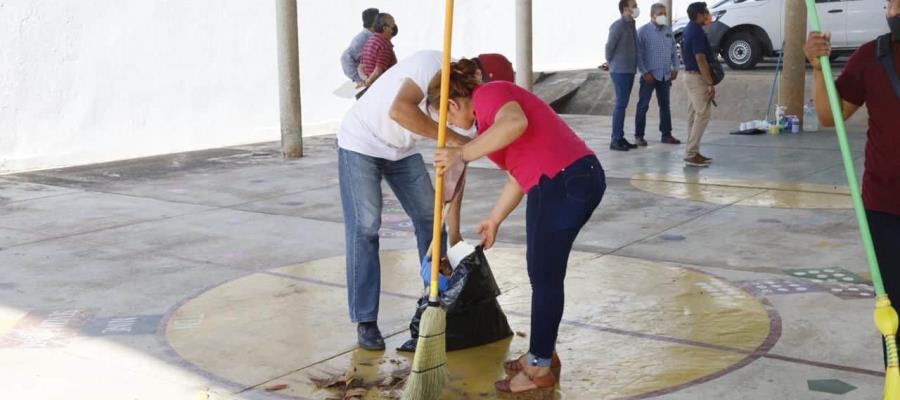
(745, 192)
(744, 183)
(634, 333)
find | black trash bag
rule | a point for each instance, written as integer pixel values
(474, 316)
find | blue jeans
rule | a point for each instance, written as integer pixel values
(557, 210)
(623, 84)
(360, 181)
(662, 89)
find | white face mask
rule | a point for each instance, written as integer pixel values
(635, 13)
(471, 133)
(662, 20)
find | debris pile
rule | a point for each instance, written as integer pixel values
(351, 386)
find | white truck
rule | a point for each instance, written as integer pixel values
(746, 31)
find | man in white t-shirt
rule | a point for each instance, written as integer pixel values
(377, 140)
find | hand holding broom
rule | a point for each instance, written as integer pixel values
(885, 315)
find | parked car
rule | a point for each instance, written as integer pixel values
(746, 31)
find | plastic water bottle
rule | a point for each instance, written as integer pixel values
(810, 117)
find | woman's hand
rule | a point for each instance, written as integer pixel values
(488, 231)
(447, 157)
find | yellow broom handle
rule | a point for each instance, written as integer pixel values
(442, 140)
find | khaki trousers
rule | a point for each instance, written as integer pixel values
(699, 111)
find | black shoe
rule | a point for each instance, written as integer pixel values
(630, 146)
(638, 140)
(619, 145)
(408, 347)
(369, 337)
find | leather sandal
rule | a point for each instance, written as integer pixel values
(545, 386)
(516, 365)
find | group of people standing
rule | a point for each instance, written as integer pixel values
(651, 54)
(371, 52)
(543, 157)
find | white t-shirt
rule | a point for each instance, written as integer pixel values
(368, 128)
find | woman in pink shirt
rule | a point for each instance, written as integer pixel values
(545, 159)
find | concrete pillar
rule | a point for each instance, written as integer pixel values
(793, 77)
(289, 79)
(524, 69)
(670, 10)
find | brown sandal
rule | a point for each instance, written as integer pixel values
(544, 390)
(516, 365)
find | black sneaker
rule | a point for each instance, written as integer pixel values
(369, 337)
(619, 146)
(630, 146)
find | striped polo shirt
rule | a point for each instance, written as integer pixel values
(378, 52)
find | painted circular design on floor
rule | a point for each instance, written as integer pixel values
(745, 192)
(632, 328)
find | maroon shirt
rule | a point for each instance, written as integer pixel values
(864, 81)
(378, 52)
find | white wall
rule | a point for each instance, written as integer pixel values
(92, 81)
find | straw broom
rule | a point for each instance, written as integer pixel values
(885, 315)
(429, 368)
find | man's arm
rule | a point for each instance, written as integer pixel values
(641, 62)
(706, 73)
(615, 33)
(454, 215)
(350, 67)
(375, 75)
(406, 112)
(818, 45)
(640, 52)
(676, 64)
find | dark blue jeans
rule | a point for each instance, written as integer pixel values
(623, 84)
(662, 88)
(557, 210)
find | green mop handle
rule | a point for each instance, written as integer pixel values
(885, 315)
(841, 128)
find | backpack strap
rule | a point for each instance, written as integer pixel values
(885, 53)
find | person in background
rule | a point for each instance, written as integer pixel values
(658, 65)
(699, 81)
(867, 80)
(621, 55)
(378, 53)
(350, 58)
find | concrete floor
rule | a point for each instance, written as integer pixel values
(218, 274)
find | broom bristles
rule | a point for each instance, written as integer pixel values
(429, 369)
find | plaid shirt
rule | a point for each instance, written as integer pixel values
(378, 52)
(656, 52)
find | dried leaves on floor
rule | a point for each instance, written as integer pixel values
(350, 386)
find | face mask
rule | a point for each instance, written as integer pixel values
(396, 31)
(894, 23)
(635, 13)
(472, 132)
(662, 20)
